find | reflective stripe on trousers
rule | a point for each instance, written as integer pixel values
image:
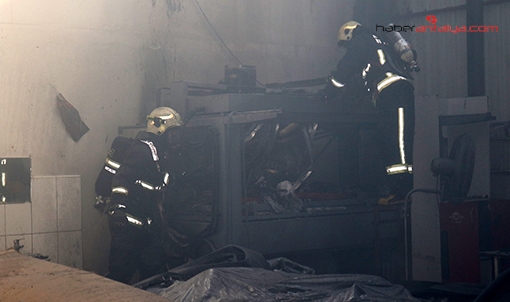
(401, 167)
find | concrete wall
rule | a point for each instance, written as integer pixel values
(109, 59)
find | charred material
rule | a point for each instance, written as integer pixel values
(191, 203)
(278, 158)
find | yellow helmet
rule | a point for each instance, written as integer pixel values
(161, 119)
(345, 32)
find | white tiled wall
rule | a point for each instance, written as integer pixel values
(50, 225)
(2, 227)
(44, 204)
(18, 218)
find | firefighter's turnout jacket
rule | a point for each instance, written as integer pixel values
(138, 184)
(366, 64)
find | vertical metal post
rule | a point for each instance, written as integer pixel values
(407, 232)
(233, 180)
(475, 49)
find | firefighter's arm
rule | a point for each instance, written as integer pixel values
(346, 67)
(332, 88)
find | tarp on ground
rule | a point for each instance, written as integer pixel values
(256, 284)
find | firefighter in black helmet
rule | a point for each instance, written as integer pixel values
(369, 66)
(135, 217)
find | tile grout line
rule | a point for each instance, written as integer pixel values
(31, 227)
(31, 216)
(56, 215)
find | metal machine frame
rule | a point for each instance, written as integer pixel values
(350, 223)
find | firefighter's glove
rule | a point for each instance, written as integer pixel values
(117, 216)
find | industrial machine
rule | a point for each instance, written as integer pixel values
(279, 172)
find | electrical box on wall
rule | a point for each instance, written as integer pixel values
(14, 180)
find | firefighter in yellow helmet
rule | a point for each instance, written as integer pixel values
(137, 193)
(370, 69)
(161, 119)
(345, 32)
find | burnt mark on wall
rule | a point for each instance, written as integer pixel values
(71, 118)
(173, 6)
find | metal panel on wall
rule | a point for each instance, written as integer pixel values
(443, 56)
(497, 64)
(410, 6)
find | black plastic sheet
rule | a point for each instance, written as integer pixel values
(71, 118)
(256, 284)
